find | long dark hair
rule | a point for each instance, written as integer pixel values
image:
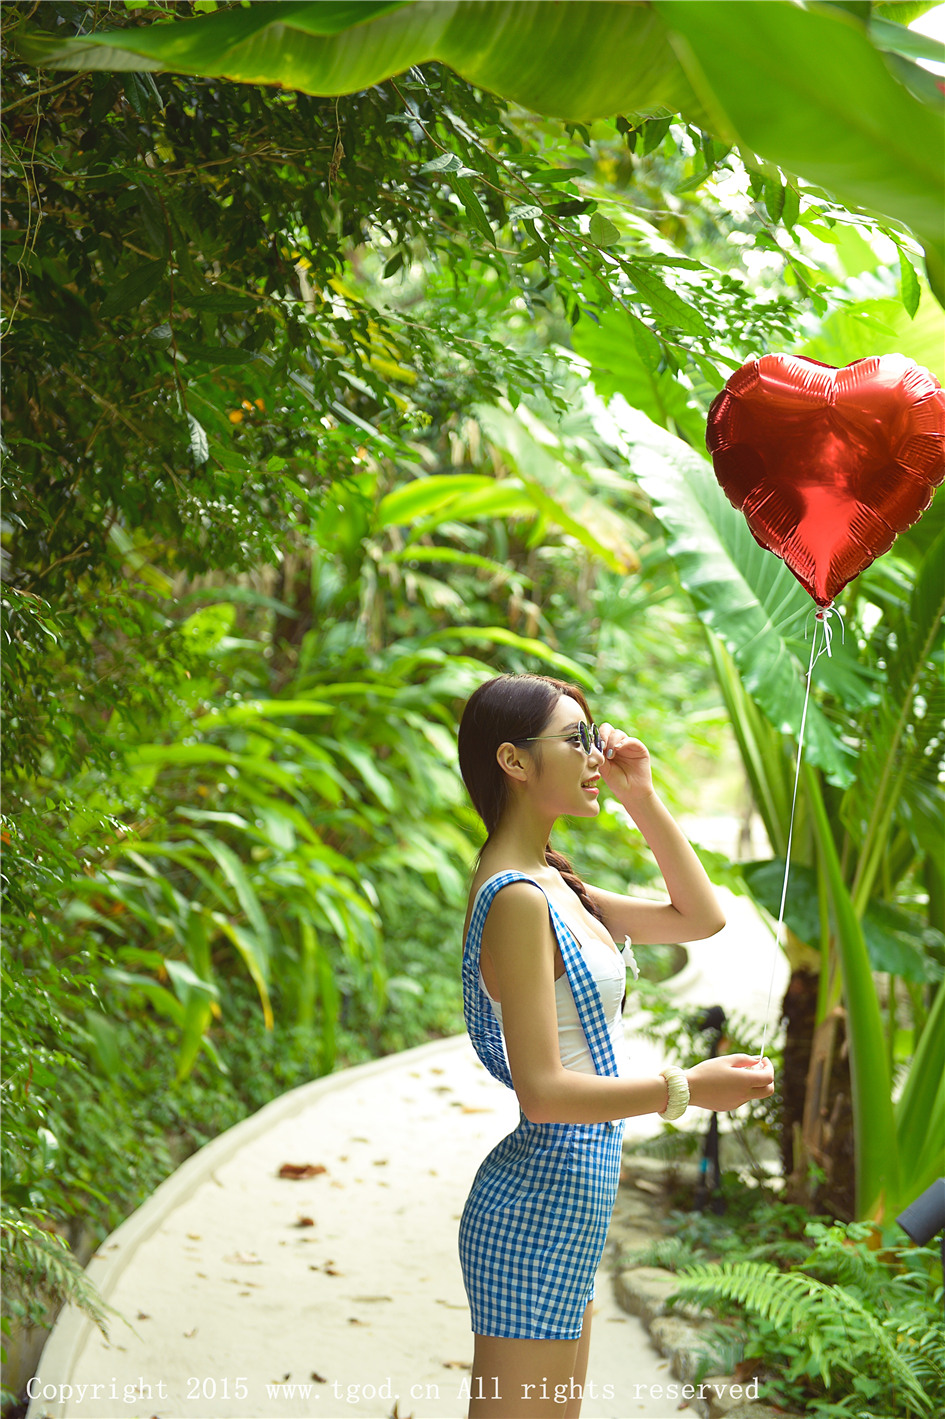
(511, 708)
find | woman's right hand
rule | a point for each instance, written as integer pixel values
(728, 1081)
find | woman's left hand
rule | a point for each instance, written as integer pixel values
(626, 766)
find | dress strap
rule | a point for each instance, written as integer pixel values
(484, 1029)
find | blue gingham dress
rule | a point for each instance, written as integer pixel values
(533, 1229)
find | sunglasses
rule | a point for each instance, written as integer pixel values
(587, 734)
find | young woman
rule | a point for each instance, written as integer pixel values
(543, 983)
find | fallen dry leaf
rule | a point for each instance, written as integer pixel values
(457, 1364)
(319, 1379)
(194, 1236)
(304, 1222)
(301, 1170)
(142, 1316)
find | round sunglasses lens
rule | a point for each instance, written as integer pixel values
(589, 737)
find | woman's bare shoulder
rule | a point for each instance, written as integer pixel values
(516, 905)
(528, 887)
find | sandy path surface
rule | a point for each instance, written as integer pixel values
(249, 1296)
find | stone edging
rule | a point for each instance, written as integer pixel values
(643, 1291)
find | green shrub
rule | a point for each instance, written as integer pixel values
(850, 1330)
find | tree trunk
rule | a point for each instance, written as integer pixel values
(799, 1010)
(817, 1114)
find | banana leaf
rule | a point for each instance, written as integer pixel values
(879, 1167)
(807, 88)
(743, 593)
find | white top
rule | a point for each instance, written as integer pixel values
(608, 970)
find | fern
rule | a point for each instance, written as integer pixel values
(833, 1325)
(923, 1340)
(835, 1261)
(673, 1253)
(40, 1271)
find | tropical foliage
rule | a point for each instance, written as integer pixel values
(847, 1330)
(829, 1324)
(869, 824)
(770, 80)
(300, 446)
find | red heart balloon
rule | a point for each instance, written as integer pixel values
(828, 465)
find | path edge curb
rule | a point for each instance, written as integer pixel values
(72, 1326)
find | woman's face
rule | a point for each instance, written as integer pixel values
(569, 780)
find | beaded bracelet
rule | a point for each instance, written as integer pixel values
(678, 1093)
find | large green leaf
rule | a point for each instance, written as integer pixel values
(525, 646)
(808, 90)
(547, 57)
(920, 1109)
(759, 746)
(805, 88)
(881, 327)
(249, 711)
(906, 727)
(160, 997)
(190, 755)
(878, 1171)
(255, 959)
(235, 873)
(454, 556)
(427, 497)
(893, 943)
(618, 367)
(555, 483)
(743, 592)
(544, 487)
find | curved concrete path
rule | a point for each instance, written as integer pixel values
(246, 1295)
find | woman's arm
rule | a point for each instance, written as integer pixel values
(520, 942)
(693, 911)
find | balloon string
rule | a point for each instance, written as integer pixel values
(822, 619)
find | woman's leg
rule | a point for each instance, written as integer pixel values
(572, 1409)
(528, 1379)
